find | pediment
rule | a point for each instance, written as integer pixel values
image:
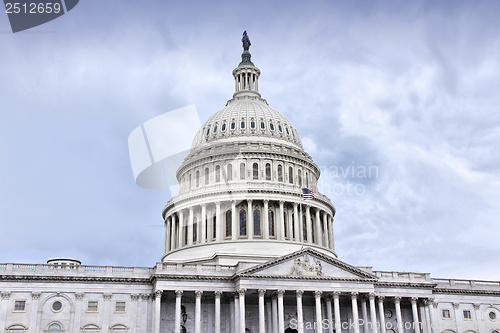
(307, 264)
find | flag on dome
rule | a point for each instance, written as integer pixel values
(307, 194)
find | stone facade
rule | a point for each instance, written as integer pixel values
(243, 253)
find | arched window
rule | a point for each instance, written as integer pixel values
(280, 173)
(252, 124)
(299, 175)
(290, 175)
(190, 181)
(304, 228)
(256, 223)
(215, 128)
(195, 229)
(207, 176)
(271, 223)
(255, 171)
(271, 126)
(229, 176)
(262, 124)
(243, 222)
(183, 329)
(54, 328)
(17, 328)
(242, 124)
(242, 171)
(197, 178)
(217, 174)
(233, 125)
(91, 328)
(119, 328)
(229, 220)
(223, 128)
(268, 171)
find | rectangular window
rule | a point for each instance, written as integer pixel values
(92, 306)
(19, 305)
(446, 314)
(467, 314)
(120, 306)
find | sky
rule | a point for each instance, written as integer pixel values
(397, 102)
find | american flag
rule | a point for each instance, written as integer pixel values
(307, 194)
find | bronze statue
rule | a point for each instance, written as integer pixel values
(246, 41)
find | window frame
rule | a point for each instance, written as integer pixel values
(19, 301)
(124, 306)
(88, 306)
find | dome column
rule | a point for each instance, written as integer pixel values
(190, 227)
(296, 219)
(318, 229)
(250, 219)
(326, 235)
(234, 228)
(203, 222)
(308, 224)
(181, 229)
(217, 223)
(168, 222)
(266, 220)
(172, 233)
(281, 222)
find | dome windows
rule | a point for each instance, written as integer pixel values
(262, 125)
(223, 128)
(215, 128)
(255, 171)
(280, 173)
(252, 124)
(233, 125)
(242, 125)
(268, 171)
(208, 131)
(287, 131)
(271, 126)
(280, 128)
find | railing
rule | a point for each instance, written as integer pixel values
(75, 270)
(466, 283)
(409, 276)
(169, 267)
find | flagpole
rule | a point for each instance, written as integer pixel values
(301, 226)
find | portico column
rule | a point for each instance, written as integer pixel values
(300, 316)
(262, 321)
(355, 316)
(157, 311)
(197, 311)
(414, 310)
(218, 294)
(181, 229)
(265, 226)
(250, 219)
(430, 306)
(318, 229)
(336, 311)
(364, 314)
(178, 295)
(281, 221)
(234, 227)
(281, 311)
(308, 224)
(237, 313)
(329, 313)
(397, 303)
(319, 319)
(373, 313)
(203, 222)
(290, 223)
(242, 292)
(274, 302)
(218, 223)
(296, 223)
(381, 313)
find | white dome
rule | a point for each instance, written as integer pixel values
(246, 116)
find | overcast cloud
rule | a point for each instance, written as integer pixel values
(410, 89)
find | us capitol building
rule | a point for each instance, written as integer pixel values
(244, 253)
